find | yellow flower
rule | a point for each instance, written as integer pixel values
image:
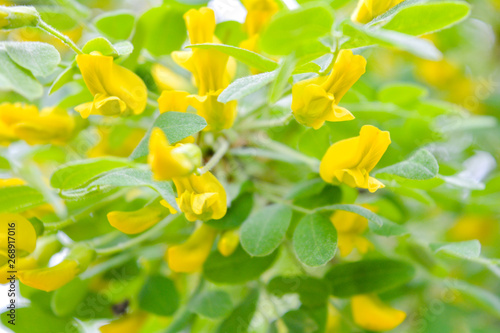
(209, 67)
(367, 10)
(52, 278)
(173, 100)
(130, 323)
(25, 234)
(139, 220)
(371, 314)
(469, 227)
(166, 79)
(12, 17)
(116, 90)
(190, 255)
(21, 121)
(218, 115)
(349, 161)
(168, 161)
(316, 100)
(350, 227)
(201, 197)
(228, 242)
(11, 182)
(259, 13)
(25, 263)
(109, 146)
(333, 319)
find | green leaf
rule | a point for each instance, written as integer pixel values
(159, 296)
(237, 268)
(420, 166)
(175, 125)
(249, 58)
(482, 298)
(15, 78)
(306, 188)
(388, 228)
(245, 86)
(312, 291)
(212, 304)
(160, 30)
(361, 36)
(368, 276)
(41, 320)
(236, 214)
(230, 32)
(371, 216)
(123, 48)
(299, 321)
(264, 231)
(4, 163)
(419, 18)
(78, 173)
(63, 78)
(134, 177)
(284, 72)
(40, 58)
(290, 29)
(466, 249)
(402, 93)
(117, 24)
(19, 199)
(239, 320)
(101, 45)
(315, 240)
(66, 299)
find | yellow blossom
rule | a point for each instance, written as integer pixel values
(12, 17)
(50, 278)
(21, 121)
(367, 10)
(11, 182)
(228, 242)
(109, 147)
(116, 90)
(201, 197)
(189, 256)
(350, 227)
(168, 161)
(173, 100)
(137, 221)
(349, 161)
(371, 314)
(259, 13)
(166, 79)
(218, 115)
(130, 323)
(469, 227)
(25, 234)
(316, 100)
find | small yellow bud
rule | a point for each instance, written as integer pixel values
(139, 220)
(50, 278)
(371, 314)
(168, 161)
(18, 16)
(228, 242)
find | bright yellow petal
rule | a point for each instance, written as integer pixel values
(228, 242)
(18, 230)
(172, 100)
(200, 24)
(139, 220)
(347, 69)
(50, 278)
(367, 10)
(190, 256)
(373, 144)
(131, 323)
(371, 314)
(11, 182)
(340, 155)
(166, 79)
(171, 209)
(218, 115)
(21, 264)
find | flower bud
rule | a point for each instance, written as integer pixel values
(18, 16)
(228, 242)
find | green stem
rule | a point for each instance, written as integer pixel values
(278, 147)
(279, 200)
(139, 239)
(262, 124)
(184, 315)
(221, 151)
(65, 39)
(73, 219)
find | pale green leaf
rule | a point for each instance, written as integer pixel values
(466, 249)
(246, 85)
(420, 166)
(212, 304)
(40, 58)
